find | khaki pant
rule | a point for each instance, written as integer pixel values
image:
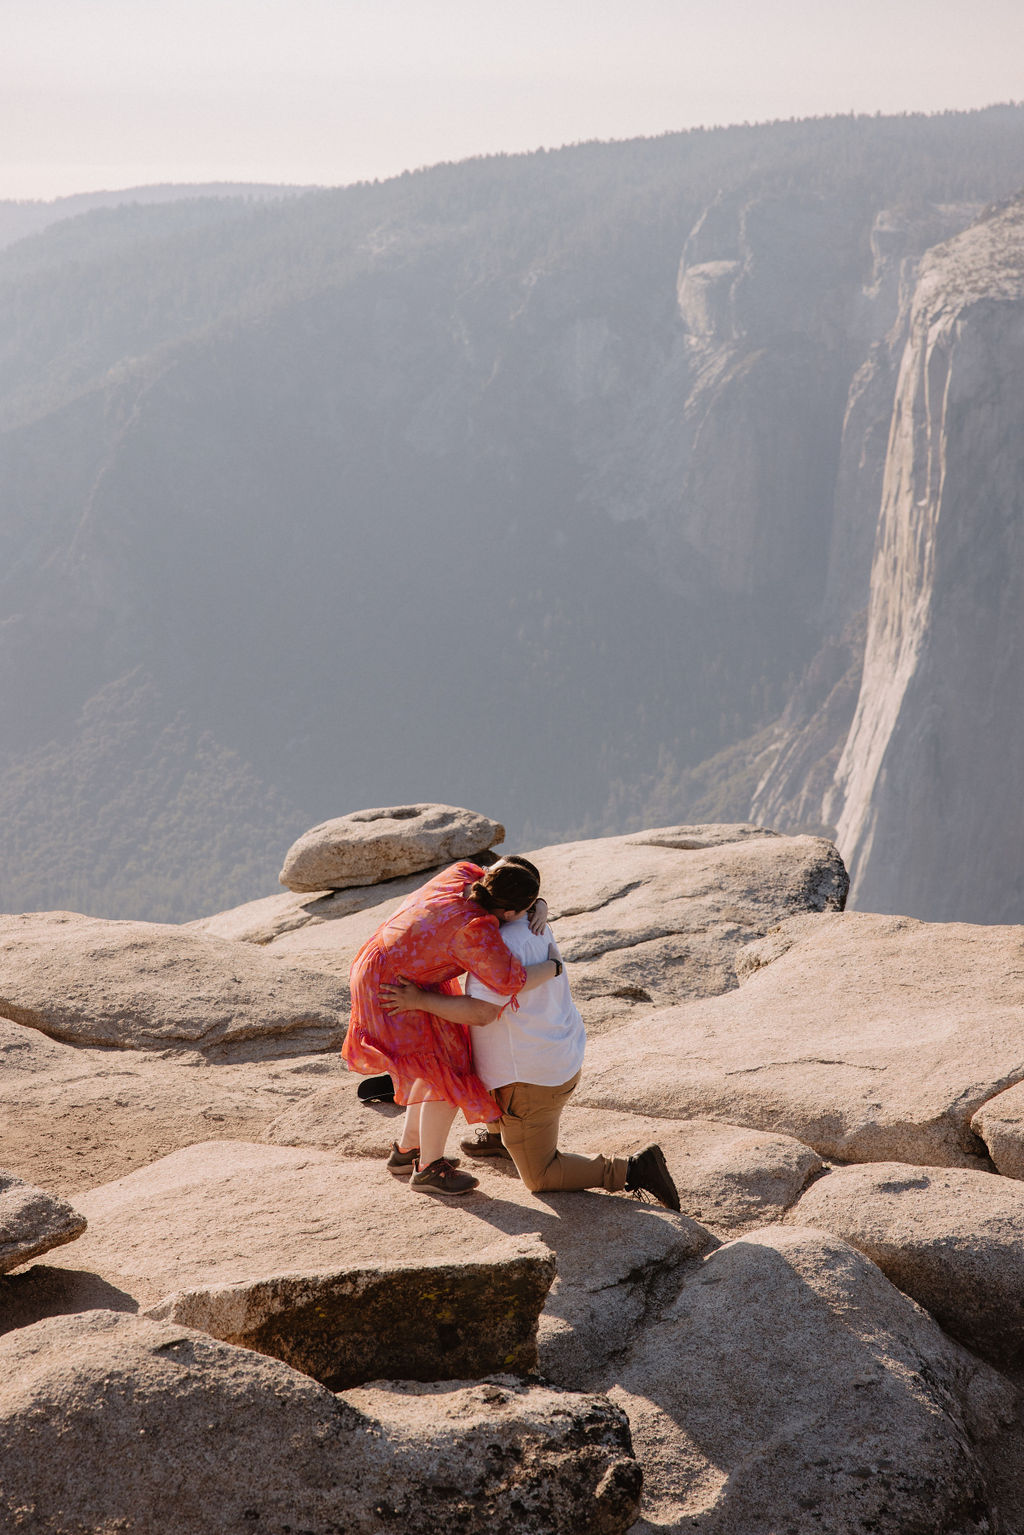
(529, 1130)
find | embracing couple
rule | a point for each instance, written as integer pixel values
(507, 1052)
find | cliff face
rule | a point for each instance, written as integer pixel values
(930, 783)
(538, 483)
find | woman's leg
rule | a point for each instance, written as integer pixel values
(410, 1136)
(436, 1119)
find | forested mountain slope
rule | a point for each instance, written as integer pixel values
(530, 483)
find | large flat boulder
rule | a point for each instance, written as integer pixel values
(870, 1038)
(150, 986)
(91, 1406)
(790, 1387)
(950, 1238)
(72, 1117)
(729, 1178)
(374, 845)
(644, 920)
(229, 1231)
(32, 1222)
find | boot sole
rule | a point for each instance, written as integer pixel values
(432, 1188)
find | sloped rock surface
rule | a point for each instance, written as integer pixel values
(32, 1222)
(265, 920)
(369, 846)
(72, 1117)
(869, 1038)
(730, 1179)
(257, 1445)
(144, 985)
(1000, 1124)
(952, 1239)
(792, 1387)
(266, 1233)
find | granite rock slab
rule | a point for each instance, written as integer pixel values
(91, 1405)
(790, 1387)
(229, 1229)
(152, 986)
(869, 1038)
(950, 1238)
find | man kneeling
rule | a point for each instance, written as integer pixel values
(531, 1057)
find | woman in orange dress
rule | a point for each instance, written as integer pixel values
(449, 926)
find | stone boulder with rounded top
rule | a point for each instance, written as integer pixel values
(160, 1428)
(150, 986)
(371, 846)
(947, 1236)
(789, 1387)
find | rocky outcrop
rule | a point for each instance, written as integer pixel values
(387, 1460)
(143, 985)
(949, 1238)
(644, 920)
(792, 1387)
(274, 1246)
(370, 846)
(930, 777)
(32, 1222)
(871, 1038)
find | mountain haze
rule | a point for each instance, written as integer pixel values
(542, 484)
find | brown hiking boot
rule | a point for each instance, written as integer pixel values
(402, 1162)
(647, 1173)
(442, 1178)
(485, 1143)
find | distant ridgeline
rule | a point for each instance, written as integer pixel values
(545, 484)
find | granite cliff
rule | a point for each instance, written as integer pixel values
(586, 448)
(932, 775)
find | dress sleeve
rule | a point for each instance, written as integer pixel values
(479, 948)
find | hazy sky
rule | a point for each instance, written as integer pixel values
(114, 93)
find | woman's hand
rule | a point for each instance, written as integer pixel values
(539, 916)
(553, 952)
(401, 996)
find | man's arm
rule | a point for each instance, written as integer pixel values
(403, 997)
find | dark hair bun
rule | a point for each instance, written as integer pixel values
(509, 885)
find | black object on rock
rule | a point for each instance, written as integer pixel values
(376, 1090)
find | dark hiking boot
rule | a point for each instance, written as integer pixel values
(442, 1178)
(646, 1173)
(401, 1163)
(486, 1143)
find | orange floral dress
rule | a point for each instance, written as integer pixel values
(434, 936)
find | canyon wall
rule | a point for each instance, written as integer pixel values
(931, 779)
